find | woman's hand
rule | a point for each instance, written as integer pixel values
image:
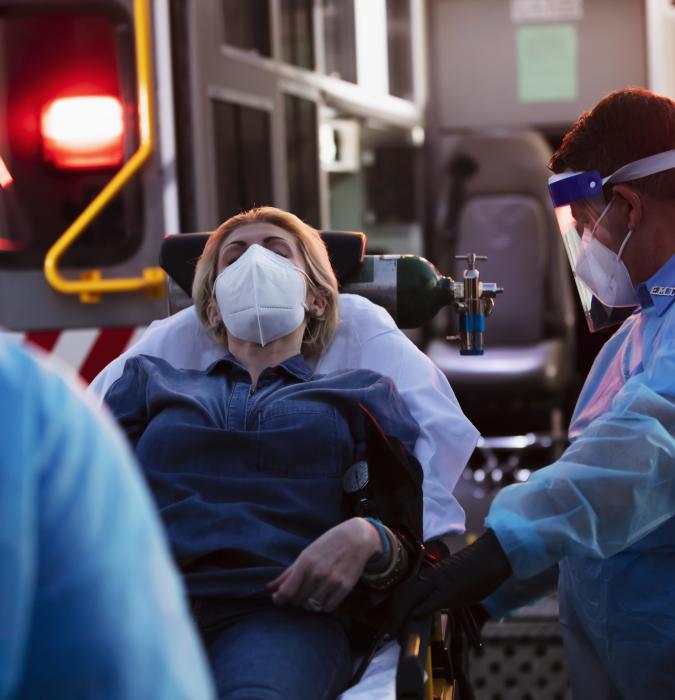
(328, 569)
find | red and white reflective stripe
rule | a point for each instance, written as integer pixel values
(87, 350)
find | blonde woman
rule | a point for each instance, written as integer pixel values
(246, 461)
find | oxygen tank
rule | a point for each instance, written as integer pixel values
(413, 291)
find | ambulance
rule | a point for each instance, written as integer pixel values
(123, 121)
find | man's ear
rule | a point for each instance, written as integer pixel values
(631, 204)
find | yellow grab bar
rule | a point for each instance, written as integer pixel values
(91, 285)
(429, 685)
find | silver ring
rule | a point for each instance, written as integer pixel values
(313, 605)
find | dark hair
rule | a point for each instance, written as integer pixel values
(624, 126)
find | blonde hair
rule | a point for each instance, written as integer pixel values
(319, 331)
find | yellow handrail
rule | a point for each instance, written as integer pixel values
(91, 286)
(429, 685)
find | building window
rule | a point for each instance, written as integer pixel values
(297, 33)
(247, 25)
(302, 157)
(243, 157)
(399, 48)
(340, 39)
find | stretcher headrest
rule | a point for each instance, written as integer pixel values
(179, 254)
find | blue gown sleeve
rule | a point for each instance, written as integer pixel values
(90, 602)
(516, 593)
(612, 486)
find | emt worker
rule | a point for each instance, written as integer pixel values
(90, 603)
(605, 510)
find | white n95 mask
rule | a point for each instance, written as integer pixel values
(603, 271)
(261, 296)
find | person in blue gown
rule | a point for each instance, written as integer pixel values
(605, 511)
(91, 605)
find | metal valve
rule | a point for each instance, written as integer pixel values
(474, 302)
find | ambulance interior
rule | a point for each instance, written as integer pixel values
(425, 124)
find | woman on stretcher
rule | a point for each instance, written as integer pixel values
(247, 462)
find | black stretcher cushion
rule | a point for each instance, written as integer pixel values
(179, 254)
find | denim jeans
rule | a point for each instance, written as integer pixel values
(258, 651)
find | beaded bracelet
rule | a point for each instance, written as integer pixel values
(380, 561)
(396, 569)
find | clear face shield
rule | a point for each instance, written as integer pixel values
(580, 206)
(605, 289)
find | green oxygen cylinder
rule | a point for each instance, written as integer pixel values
(409, 287)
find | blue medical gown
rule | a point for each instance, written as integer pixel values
(605, 510)
(90, 603)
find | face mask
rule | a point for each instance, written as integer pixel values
(261, 296)
(603, 271)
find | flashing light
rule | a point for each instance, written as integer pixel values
(83, 132)
(6, 178)
(7, 246)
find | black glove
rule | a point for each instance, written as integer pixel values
(466, 577)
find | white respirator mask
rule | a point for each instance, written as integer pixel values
(261, 296)
(603, 271)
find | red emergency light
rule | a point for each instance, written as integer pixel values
(84, 132)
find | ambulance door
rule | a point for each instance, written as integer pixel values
(251, 136)
(78, 111)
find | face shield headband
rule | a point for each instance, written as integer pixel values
(580, 206)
